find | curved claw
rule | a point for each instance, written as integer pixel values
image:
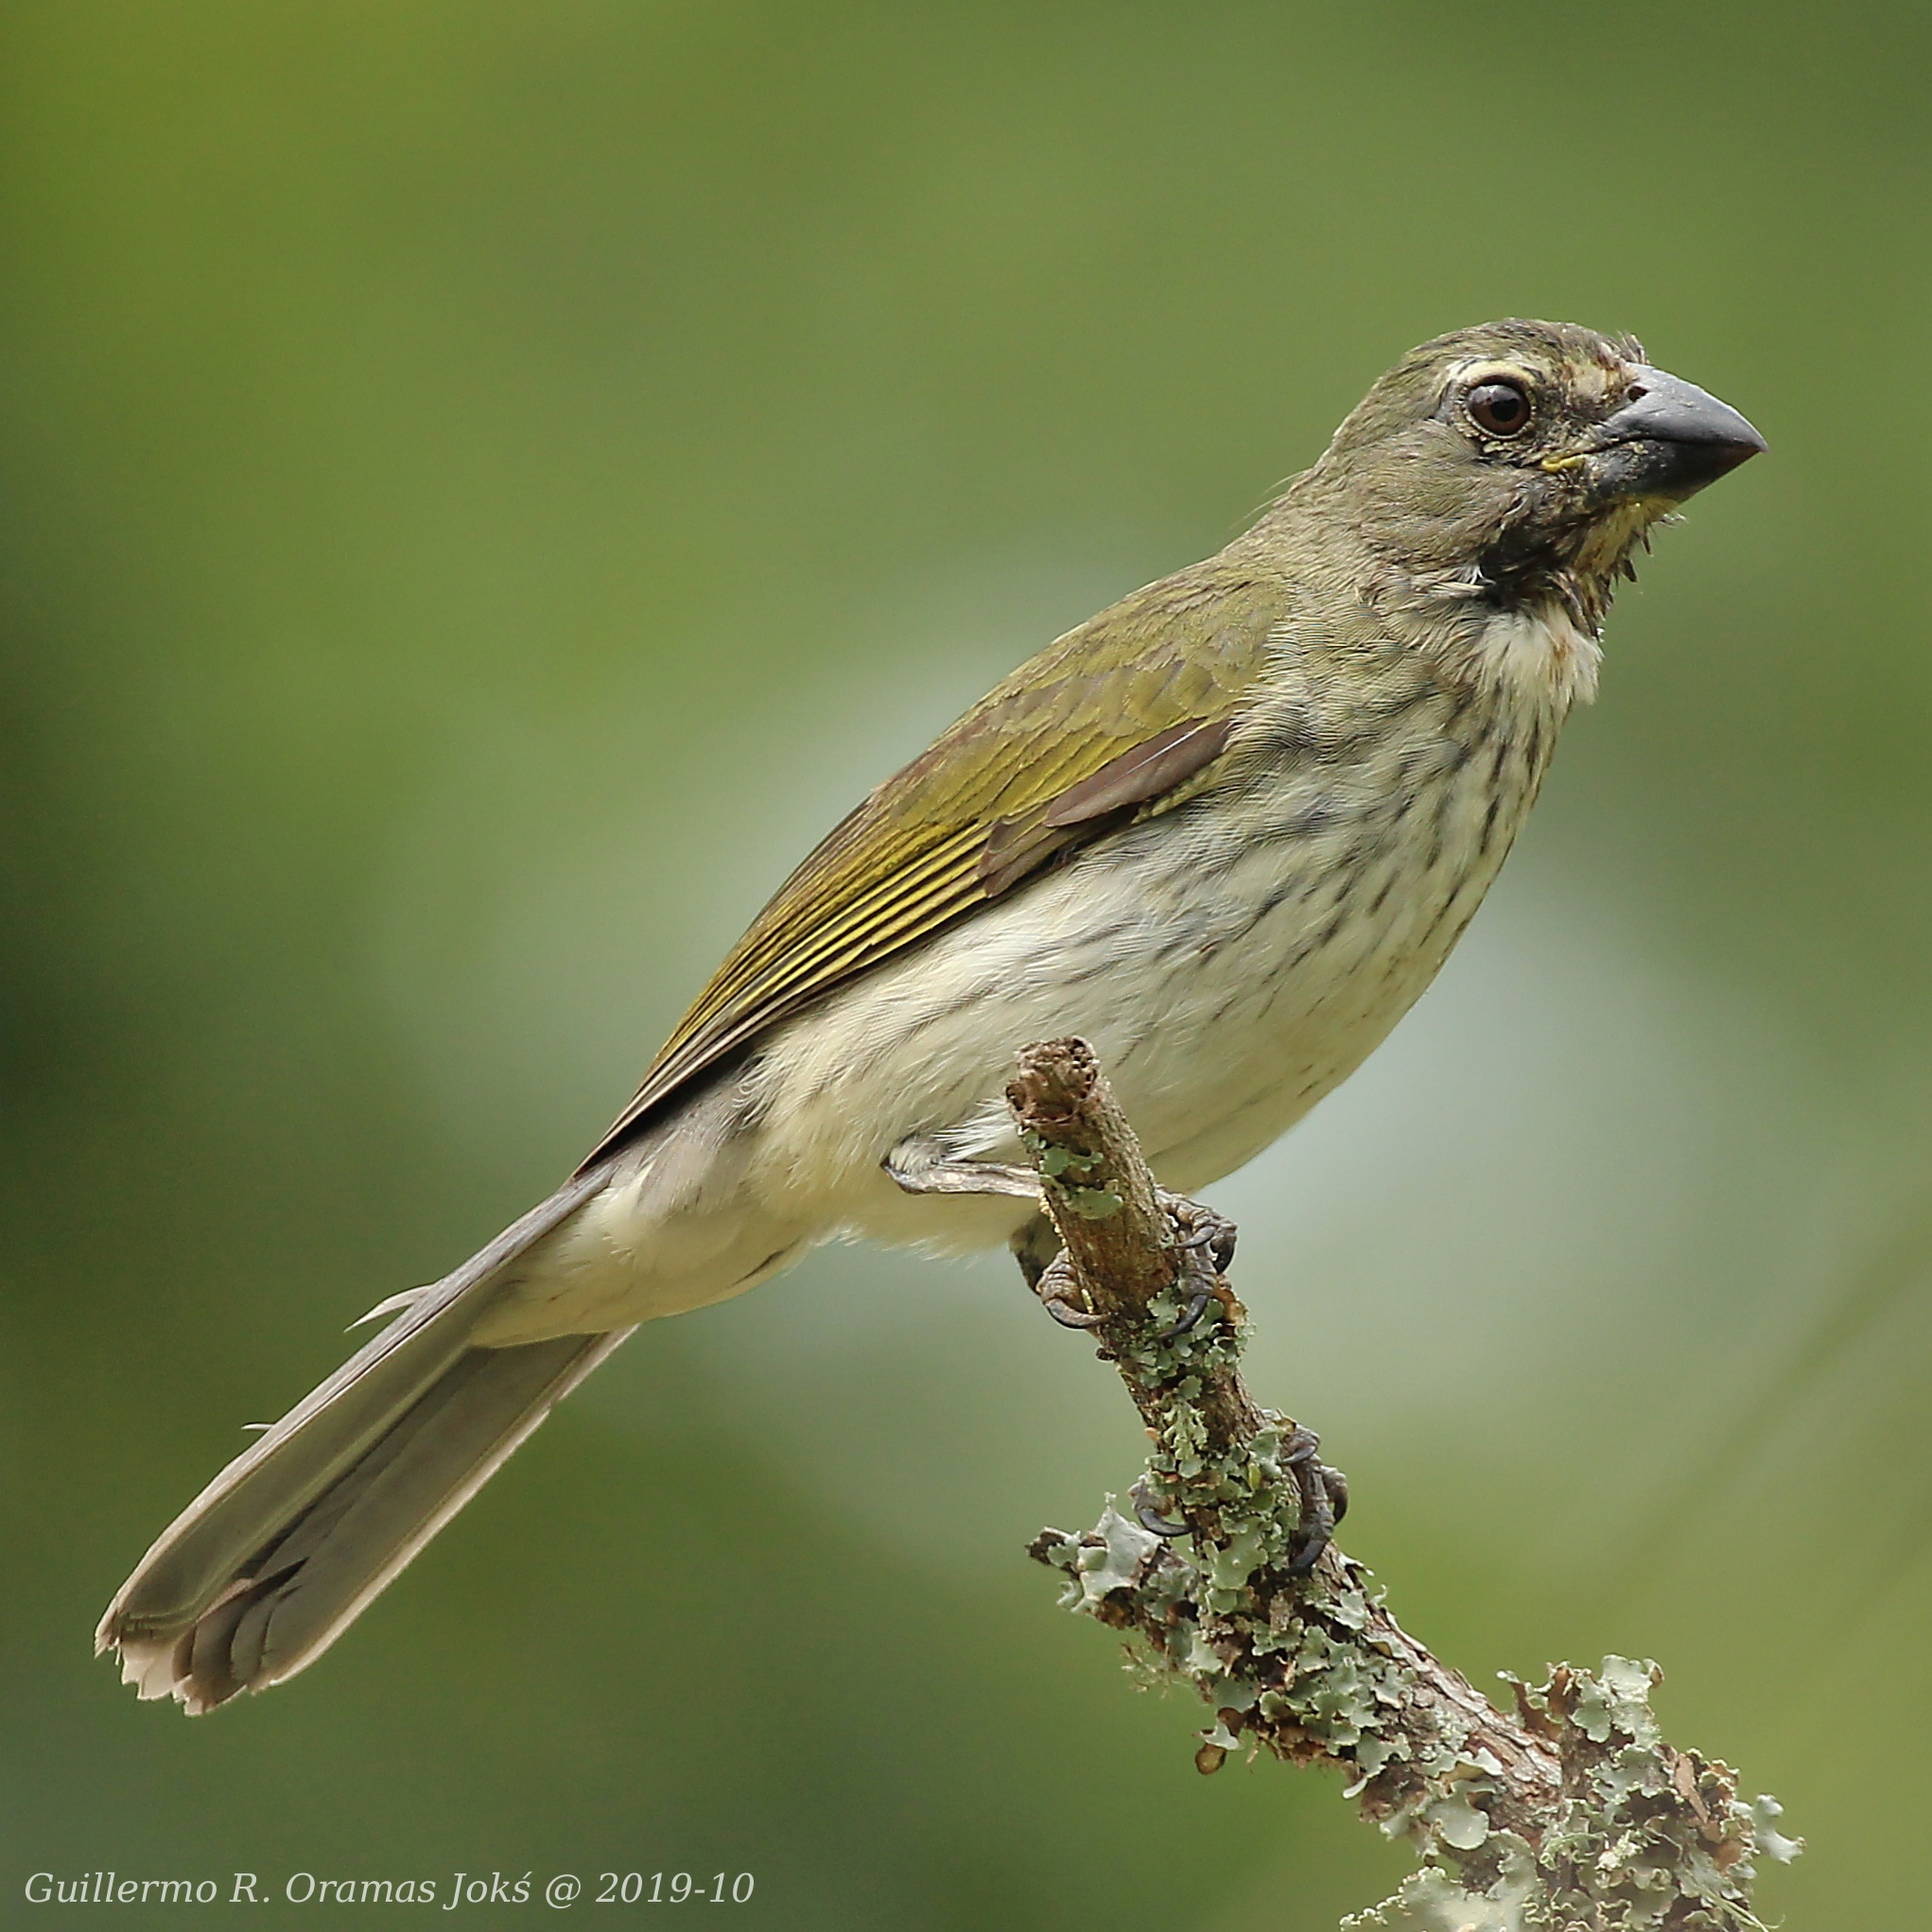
(1151, 1519)
(1323, 1494)
(1205, 1229)
(1218, 1238)
(1317, 1525)
(1054, 1288)
(1067, 1314)
(1190, 1319)
(1337, 1487)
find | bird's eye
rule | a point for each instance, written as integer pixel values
(1499, 407)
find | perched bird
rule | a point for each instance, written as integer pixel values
(1226, 831)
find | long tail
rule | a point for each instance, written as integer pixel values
(274, 1560)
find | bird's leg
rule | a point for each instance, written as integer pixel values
(1201, 1242)
(1057, 1290)
(1043, 1263)
(1324, 1493)
(920, 1165)
(1199, 1227)
(1206, 1242)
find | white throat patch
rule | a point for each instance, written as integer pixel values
(1541, 654)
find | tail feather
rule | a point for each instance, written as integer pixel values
(280, 1554)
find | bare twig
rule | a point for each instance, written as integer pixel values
(1570, 1812)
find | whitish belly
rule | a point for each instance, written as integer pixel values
(1228, 970)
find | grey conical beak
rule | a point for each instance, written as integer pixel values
(1670, 439)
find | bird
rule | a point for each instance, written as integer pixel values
(1226, 831)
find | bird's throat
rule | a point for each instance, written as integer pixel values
(1538, 655)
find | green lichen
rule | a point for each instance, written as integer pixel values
(1645, 1837)
(1623, 1834)
(1070, 1168)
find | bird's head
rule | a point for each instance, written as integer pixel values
(1522, 460)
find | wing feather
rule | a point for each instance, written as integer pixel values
(1110, 723)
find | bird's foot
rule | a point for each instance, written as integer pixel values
(1200, 1229)
(1323, 1494)
(1322, 1491)
(920, 1165)
(1062, 1297)
(1206, 1244)
(1148, 1514)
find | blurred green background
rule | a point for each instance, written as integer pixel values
(484, 484)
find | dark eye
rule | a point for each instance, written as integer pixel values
(1500, 408)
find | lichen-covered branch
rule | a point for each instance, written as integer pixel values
(1569, 1811)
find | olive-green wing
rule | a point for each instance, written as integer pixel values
(1107, 722)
